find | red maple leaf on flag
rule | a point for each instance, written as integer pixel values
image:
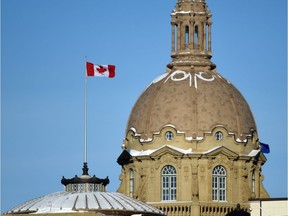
(101, 69)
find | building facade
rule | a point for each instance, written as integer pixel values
(191, 144)
(271, 206)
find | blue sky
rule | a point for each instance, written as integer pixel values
(44, 44)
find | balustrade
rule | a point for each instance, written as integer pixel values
(204, 209)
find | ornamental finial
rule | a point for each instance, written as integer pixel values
(85, 169)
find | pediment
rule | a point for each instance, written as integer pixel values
(167, 150)
(224, 151)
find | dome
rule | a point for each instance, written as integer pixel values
(111, 203)
(85, 194)
(193, 103)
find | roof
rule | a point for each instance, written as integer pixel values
(69, 202)
(194, 102)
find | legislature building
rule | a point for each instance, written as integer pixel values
(191, 144)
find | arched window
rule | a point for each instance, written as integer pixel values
(196, 35)
(219, 184)
(131, 183)
(186, 35)
(168, 183)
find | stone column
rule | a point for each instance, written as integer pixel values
(178, 36)
(173, 37)
(209, 36)
(257, 181)
(192, 33)
(204, 33)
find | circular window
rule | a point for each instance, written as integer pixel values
(169, 135)
(218, 135)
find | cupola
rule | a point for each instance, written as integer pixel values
(191, 35)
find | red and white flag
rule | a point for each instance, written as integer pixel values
(100, 70)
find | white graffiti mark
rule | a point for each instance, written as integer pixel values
(199, 75)
(182, 75)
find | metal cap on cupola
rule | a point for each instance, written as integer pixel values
(85, 183)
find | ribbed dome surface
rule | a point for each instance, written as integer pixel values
(68, 202)
(194, 102)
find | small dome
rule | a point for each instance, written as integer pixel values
(193, 102)
(110, 203)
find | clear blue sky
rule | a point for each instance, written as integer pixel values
(44, 44)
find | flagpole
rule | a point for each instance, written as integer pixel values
(85, 120)
(85, 167)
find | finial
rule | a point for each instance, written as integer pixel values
(85, 169)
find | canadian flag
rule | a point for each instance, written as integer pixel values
(100, 70)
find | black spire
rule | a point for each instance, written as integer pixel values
(85, 169)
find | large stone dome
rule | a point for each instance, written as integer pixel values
(193, 103)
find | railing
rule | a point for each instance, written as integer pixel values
(201, 209)
(175, 209)
(217, 209)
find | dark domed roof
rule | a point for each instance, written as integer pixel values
(193, 102)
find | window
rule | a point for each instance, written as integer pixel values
(169, 135)
(131, 183)
(219, 184)
(175, 37)
(91, 187)
(169, 183)
(253, 181)
(218, 135)
(186, 35)
(196, 35)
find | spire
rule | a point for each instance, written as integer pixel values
(85, 169)
(191, 35)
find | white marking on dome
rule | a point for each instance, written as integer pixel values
(223, 78)
(157, 79)
(177, 73)
(185, 75)
(199, 75)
